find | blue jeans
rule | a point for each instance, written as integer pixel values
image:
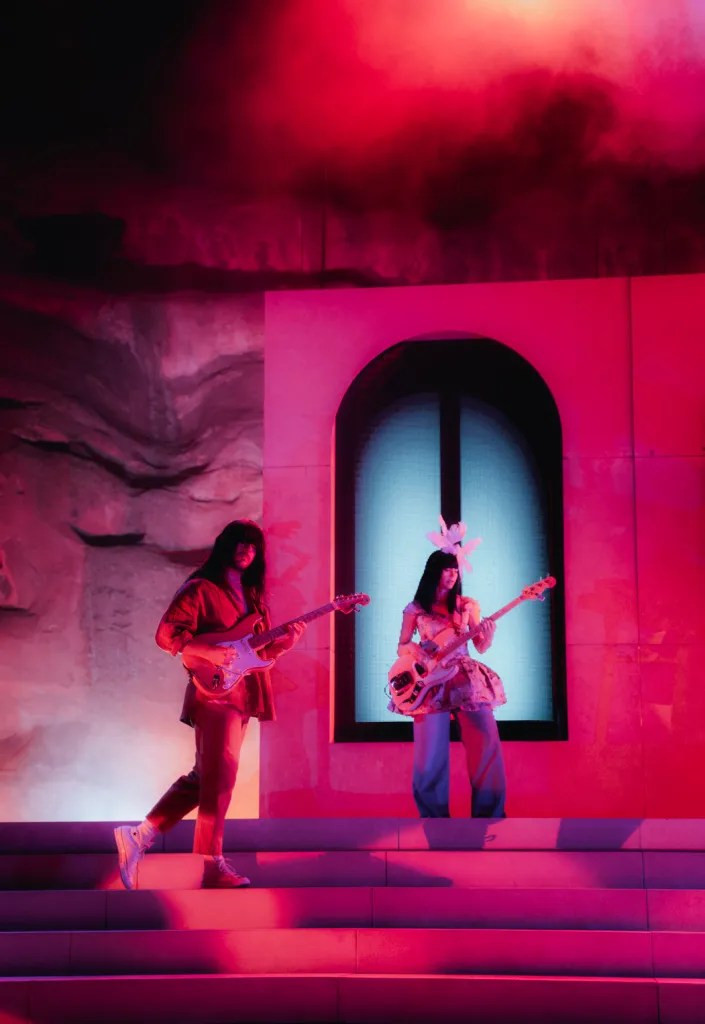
(483, 753)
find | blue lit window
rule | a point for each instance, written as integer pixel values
(481, 443)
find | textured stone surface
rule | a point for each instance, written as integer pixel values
(130, 434)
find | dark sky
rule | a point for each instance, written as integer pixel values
(84, 74)
(456, 109)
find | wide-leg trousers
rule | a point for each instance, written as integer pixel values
(209, 785)
(483, 753)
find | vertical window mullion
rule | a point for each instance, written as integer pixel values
(450, 455)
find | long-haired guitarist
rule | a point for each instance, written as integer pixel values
(228, 587)
(438, 610)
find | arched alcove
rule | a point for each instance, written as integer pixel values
(466, 428)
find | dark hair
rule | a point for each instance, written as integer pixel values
(431, 577)
(241, 531)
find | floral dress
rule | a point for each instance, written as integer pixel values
(475, 685)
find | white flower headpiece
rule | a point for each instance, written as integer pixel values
(450, 541)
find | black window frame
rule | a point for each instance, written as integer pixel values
(495, 374)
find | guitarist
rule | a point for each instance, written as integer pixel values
(223, 591)
(470, 695)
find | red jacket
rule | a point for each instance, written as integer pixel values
(200, 606)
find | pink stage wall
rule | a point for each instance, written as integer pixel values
(624, 360)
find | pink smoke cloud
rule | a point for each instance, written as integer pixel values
(355, 82)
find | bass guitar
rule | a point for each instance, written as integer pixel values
(243, 643)
(416, 679)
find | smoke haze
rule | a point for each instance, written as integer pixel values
(530, 114)
(362, 86)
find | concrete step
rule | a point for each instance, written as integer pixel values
(319, 834)
(363, 906)
(160, 871)
(437, 868)
(391, 998)
(626, 869)
(410, 951)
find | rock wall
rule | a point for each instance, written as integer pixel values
(131, 432)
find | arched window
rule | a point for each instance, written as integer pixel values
(466, 428)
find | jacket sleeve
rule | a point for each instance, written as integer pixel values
(180, 621)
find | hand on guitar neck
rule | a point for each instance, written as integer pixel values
(482, 637)
(208, 648)
(293, 632)
(485, 635)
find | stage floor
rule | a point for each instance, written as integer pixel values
(360, 920)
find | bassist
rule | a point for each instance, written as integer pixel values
(473, 691)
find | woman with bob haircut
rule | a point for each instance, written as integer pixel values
(229, 586)
(470, 695)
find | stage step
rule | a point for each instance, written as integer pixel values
(401, 907)
(373, 999)
(319, 834)
(384, 907)
(627, 869)
(360, 920)
(445, 951)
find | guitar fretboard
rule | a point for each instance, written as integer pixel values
(262, 639)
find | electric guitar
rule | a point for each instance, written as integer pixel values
(416, 678)
(243, 643)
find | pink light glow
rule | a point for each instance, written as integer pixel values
(353, 80)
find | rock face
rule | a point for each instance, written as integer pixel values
(131, 433)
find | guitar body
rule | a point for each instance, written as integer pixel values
(243, 642)
(215, 681)
(415, 679)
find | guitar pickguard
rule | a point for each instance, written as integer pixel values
(413, 682)
(245, 660)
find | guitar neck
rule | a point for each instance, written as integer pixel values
(464, 637)
(262, 639)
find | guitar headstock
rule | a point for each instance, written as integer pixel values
(350, 602)
(536, 590)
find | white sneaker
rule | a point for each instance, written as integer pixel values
(131, 847)
(219, 874)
